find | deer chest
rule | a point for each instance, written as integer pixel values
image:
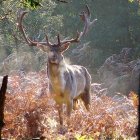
(57, 83)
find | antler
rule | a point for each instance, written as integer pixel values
(47, 41)
(73, 40)
(85, 16)
(30, 42)
(21, 14)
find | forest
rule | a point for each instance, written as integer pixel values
(110, 51)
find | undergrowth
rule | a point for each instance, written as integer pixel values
(30, 112)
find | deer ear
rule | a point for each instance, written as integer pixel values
(44, 48)
(64, 47)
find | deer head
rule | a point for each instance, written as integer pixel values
(55, 50)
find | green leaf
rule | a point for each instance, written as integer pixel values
(131, 0)
(32, 4)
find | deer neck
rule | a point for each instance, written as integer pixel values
(56, 75)
(53, 69)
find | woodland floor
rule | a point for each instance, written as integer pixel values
(30, 112)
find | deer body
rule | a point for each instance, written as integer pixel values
(67, 83)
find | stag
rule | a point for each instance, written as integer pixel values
(67, 83)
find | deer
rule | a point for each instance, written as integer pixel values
(67, 83)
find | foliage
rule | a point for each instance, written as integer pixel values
(32, 4)
(134, 98)
(117, 27)
(30, 112)
(38, 22)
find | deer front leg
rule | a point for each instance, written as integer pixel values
(60, 111)
(69, 109)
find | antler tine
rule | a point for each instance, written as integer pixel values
(47, 40)
(58, 38)
(88, 11)
(73, 40)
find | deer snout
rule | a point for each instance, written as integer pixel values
(53, 57)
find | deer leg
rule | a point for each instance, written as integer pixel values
(75, 104)
(69, 109)
(85, 96)
(60, 111)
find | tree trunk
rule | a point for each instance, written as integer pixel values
(2, 101)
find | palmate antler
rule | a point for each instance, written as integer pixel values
(85, 16)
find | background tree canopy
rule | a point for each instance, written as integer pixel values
(118, 26)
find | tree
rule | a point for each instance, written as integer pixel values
(117, 26)
(38, 22)
(2, 101)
